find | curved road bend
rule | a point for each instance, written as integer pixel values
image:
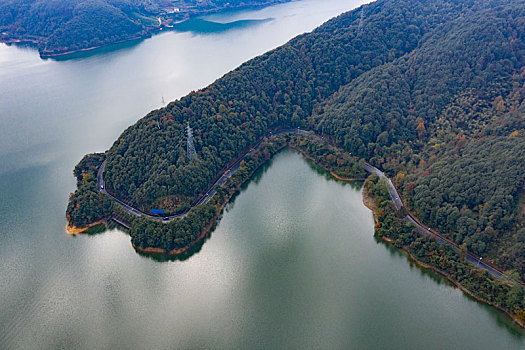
(426, 231)
(391, 188)
(205, 198)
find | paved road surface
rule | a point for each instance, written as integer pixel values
(391, 188)
(210, 192)
(205, 198)
(426, 231)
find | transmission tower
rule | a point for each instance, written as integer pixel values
(190, 152)
(360, 27)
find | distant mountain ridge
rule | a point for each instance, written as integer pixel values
(64, 26)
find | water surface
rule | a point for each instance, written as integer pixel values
(292, 264)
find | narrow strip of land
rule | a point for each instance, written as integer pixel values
(209, 192)
(230, 169)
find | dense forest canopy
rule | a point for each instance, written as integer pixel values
(67, 25)
(473, 196)
(279, 88)
(431, 91)
(447, 119)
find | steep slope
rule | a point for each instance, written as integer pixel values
(449, 115)
(403, 83)
(279, 88)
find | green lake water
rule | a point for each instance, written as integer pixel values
(292, 264)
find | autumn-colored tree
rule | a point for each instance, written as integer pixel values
(398, 180)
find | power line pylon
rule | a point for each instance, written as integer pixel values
(360, 26)
(190, 151)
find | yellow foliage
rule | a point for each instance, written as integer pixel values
(421, 130)
(521, 315)
(399, 179)
(86, 177)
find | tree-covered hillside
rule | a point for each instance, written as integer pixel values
(68, 25)
(447, 120)
(279, 88)
(432, 91)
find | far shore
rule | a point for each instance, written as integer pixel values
(44, 54)
(151, 31)
(18, 41)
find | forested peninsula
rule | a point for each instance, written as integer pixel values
(430, 91)
(60, 27)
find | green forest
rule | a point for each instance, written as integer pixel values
(391, 225)
(178, 234)
(430, 91)
(473, 196)
(332, 159)
(87, 205)
(447, 122)
(283, 87)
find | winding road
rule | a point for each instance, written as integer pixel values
(210, 191)
(428, 232)
(228, 172)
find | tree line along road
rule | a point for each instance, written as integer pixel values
(228, 172)
(210, 191)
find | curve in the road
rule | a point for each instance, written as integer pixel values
(394, 195)
(210, 192)
(428, 232)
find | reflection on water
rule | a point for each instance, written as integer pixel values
(202, 26)
(194, 25)
(158, 257)
(292, 264)
(121, 47)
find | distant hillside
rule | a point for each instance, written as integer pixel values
(61, 26)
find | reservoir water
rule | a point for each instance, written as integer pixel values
(292, 264)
